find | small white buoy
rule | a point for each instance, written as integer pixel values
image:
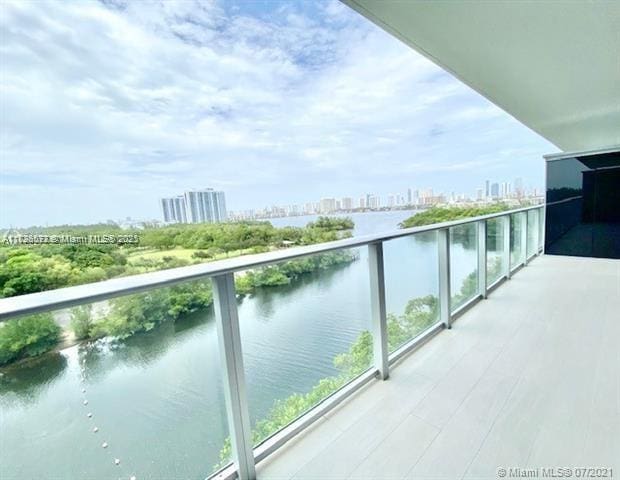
(89, 415)
(95, 430)
(104, 444)
(133, 477)
(85, 402)
(117, 461)
(83, 390)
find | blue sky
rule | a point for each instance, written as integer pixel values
(107, 106)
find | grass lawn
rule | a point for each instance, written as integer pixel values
(182, 253)
(154, 254)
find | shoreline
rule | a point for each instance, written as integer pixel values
(68, 338)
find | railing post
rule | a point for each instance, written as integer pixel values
(506, 250)
(536, 227)
(229, 339)
(377, 304)
(541, 219)
(482, 258)
(443, 241)
(524, 224)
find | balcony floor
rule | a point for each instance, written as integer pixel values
(528, 378)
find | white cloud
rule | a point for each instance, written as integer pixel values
(149, 98)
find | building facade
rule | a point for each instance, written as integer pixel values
(196, 206)
(173, 210)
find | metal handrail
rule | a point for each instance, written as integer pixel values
(93, 292)
(245, 454)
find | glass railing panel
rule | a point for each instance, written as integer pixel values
(463, 264)
(305, 332)
(541, 227)
(495, 249)
(136, 378)
(411, 286)
(532, 227)
(517, 251)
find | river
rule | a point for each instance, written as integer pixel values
(157, 400)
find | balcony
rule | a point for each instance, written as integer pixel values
(518, 370)
(527, 379)
(509, 366)
(489, 381)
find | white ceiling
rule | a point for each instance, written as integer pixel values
(552, 64)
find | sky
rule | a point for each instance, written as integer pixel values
(107, 106)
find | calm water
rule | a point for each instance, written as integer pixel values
(157, 398)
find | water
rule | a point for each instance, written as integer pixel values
(157, 399)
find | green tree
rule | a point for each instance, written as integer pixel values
(332, 223)
(28, 337)
(82, 321)
(446, 214)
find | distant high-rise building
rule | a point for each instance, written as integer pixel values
(362, 202)
(167, 210)
(479, 194)
(505, 190)
(327, 205)
(409, 197)
(179, 209)
(390, 200)
(173, 210)
(416, 197)
(346, 203)
(487, 191)
(198, 206)
(205, 206)
(495, 190)
(519, 187)
(426, 193)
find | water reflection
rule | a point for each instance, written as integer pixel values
(459, 236)
(100, 357)
(25, 381)
(267, 298)
(163, 388)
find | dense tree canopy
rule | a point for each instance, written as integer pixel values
(142, 312)
(35, 268)
(27, 337)
(332, 223)
(446, 214)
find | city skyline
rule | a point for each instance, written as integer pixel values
(262, 100)
(410, 197)
(427, 196)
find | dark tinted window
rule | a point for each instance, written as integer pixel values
(583, 206)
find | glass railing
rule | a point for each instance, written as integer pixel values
(532, 233)
(235, 357)
(517, 238)
(541, 229)
(134, 394)
(411, 287)
(307, 338)
(495, 250)
(463, 264)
